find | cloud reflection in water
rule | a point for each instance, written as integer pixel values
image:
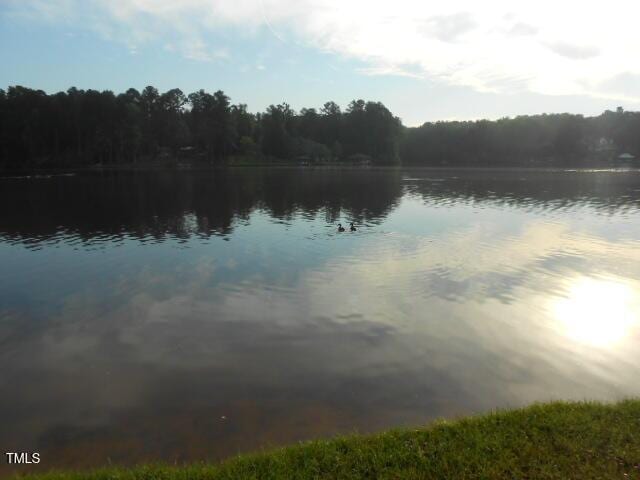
(444, 302)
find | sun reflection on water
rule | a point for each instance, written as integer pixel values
(598, 312)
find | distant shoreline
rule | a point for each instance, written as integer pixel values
(189, 166)
(91, 127)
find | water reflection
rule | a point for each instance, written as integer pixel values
(192, 315)
(107, 207)
(157, 205)
(598, 312)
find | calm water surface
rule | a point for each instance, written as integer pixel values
(193, 315)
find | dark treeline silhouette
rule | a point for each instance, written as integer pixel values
(88, 127)
(558, 140)
(85, 127)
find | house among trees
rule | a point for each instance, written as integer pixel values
(359, 159)
(626, 158)
(605, 145)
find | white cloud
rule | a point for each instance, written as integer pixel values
(196, 49)
(521, 28)
(577, 52)
(547, 47)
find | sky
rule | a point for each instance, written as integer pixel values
(426, 61)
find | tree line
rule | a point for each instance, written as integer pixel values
(87, 127)
(79, 127)
(548, 140)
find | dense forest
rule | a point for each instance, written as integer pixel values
(88, 127)
(557, 139)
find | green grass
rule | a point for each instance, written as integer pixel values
(555, 440)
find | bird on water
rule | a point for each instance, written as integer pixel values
(340, 228)
(352, 228)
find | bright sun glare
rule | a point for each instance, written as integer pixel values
(598, 312)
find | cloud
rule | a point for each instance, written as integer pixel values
(197, 49)
(576, 52)
(493, 46)
(449, 28)
(401, 71)
(522, 28)
(627, 84)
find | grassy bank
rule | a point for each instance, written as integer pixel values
(556, 440)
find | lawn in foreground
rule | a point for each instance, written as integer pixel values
(555, 440)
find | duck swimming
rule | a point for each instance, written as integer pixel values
(340, 228)
(352, 228)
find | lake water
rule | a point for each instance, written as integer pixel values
(192, 315)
